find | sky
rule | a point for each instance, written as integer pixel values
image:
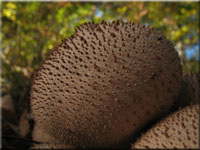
(192, 53)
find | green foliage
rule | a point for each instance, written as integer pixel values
(31, 30)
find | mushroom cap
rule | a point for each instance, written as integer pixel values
(179, 130)
(107, 79)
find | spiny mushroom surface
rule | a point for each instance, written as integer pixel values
(179, 130)
(104, 83)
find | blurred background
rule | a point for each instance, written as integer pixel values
(31, 30)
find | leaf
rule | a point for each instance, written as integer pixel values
(7, 103)
(24, 125)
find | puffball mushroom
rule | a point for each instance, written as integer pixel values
(190, 91)
(179, 130)
(105, 82)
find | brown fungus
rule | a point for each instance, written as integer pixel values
(177, 131)
(73, 97)
(190, 91)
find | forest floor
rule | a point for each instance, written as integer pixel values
(17, 125)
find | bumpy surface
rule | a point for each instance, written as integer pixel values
(104, 83)
(180, 130)
(39, 135)
(46, 141)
